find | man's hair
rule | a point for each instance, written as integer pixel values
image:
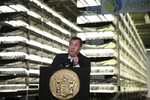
(77, 38)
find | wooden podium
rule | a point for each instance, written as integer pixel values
(64, 83)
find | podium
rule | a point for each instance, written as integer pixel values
(64, 83)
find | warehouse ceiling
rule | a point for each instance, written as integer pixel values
(69, 10)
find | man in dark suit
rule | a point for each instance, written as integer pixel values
(73, 58)
(76, 61)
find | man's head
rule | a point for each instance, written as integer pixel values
(75, 45)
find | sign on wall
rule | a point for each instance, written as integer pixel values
(124, 6)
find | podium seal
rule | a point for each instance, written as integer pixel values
(64, 84)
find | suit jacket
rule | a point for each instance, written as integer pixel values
(62, 59)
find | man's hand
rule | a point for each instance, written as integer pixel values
(75, 60)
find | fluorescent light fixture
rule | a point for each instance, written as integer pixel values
(16, 23)
(93, 2)
(81, 19)
(35, 71)
(12, 39)
(4, 9)
(18, 7)
(23, 8)
(87, 3)
(13, 54)
(109, 17)
(31, 13)
(92, 18)
(13, 8)
(13, 69)
(34, 43)
(82, 3)
(148, 50)
(102, 17)
(13, 87)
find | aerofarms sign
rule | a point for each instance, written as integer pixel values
(124, 6)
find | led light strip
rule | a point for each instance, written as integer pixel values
(87, 3)
(94, 18)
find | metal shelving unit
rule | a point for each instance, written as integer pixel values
(31, 35)
(119, 70)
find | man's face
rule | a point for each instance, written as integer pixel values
(74, 48)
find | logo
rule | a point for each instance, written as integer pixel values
(64, 84)
(113, 6)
